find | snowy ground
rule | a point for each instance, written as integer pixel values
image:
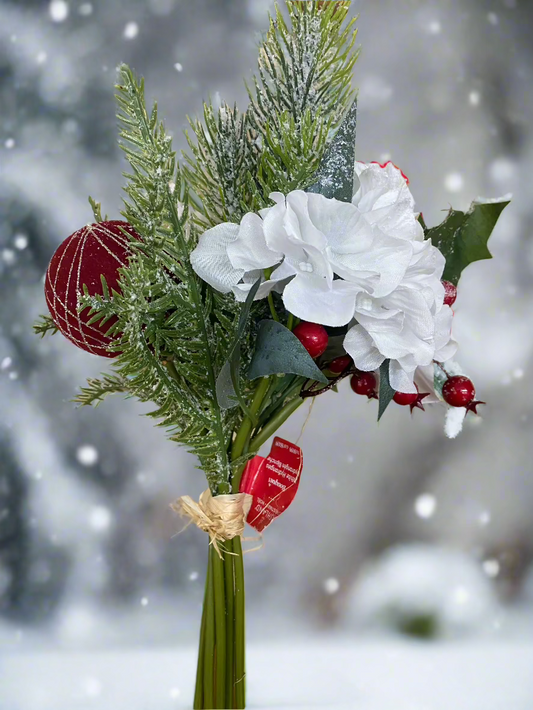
(334, 674)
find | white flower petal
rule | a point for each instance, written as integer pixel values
(210, 258)
(249, 251)
(341, 223)
(308, 232)
(395, 339)
(414, 306)
(400, 379)
(308, 298)
(387, 258)
(360, 346)
(386, 201)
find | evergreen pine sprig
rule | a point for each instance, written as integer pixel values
(171, 333)
(297, 101)
(222, 157)
(45, 326)
(305, 67)
(98, 389)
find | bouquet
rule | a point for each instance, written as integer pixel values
(261, 271)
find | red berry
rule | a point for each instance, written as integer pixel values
(413, 400)
(93, 251)
(364, 383)
(450, 293)
(458, 391)
(340, 364)
(313, 337)
(405, 398)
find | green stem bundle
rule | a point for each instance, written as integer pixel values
(221, 675)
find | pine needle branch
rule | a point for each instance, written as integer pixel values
(45, 326)
(97, 390)
(170, 334)
(297, 101)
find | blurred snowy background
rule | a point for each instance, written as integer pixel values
(396, 531)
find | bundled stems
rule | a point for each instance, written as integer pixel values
(221, 675)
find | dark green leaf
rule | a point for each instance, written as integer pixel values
(335, 176)
(386, 393)
(278, 351)
(463, 237)
(227, 385)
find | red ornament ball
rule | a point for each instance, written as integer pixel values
(313, 337)
(450, 293)
(458, 391)
(93, 251)
(364, 383)
(405, 399)
(340, 364)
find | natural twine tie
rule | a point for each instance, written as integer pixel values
(221, 517)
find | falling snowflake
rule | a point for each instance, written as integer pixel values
(58, 10)
(100, 518)
(491, 568)
(87, 455)
(435, 27)
(454, 182)
(92, 687)
(425, 506)
(20, 241)
(131, 30)
(331, 585)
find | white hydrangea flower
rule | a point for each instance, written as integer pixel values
(384, 197)
(229, 254)
(364, 263)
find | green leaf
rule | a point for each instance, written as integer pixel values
(227, 385)
(463, 237)
(386, 393)
(335, 177)
(278, 351)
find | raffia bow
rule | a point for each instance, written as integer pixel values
(221, 517)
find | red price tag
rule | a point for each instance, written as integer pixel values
(272, 482)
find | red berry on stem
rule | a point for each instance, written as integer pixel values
(450, 293)
(340, 364)
(313, 337)
(412, 399)
(93, 251)
(405, 398)
(458, 391)
(364, 383)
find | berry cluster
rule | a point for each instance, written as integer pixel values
(458, 391)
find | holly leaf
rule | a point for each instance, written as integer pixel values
(335, 176)
(463, 237)
(386, 393)
(278, 351)
(227, 384)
